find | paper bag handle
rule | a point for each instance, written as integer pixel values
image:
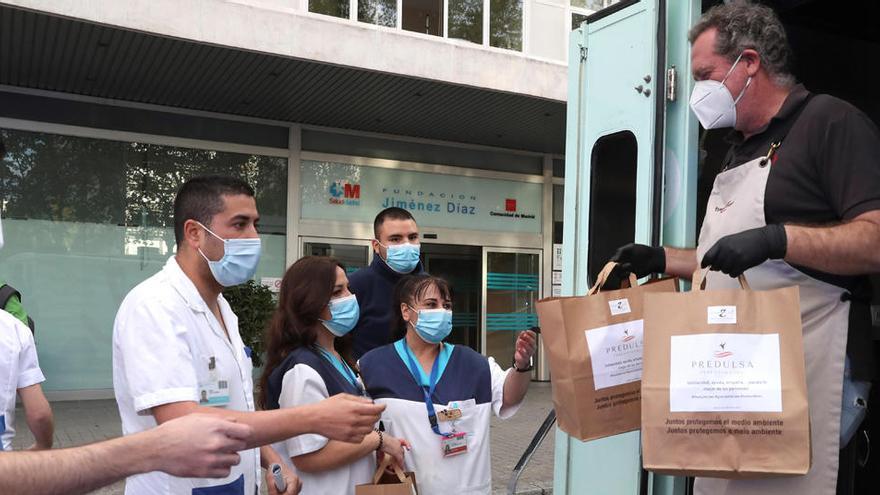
(387, 461)
(698, 281)
(603, 277)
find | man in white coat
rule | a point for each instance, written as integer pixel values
(177, 349)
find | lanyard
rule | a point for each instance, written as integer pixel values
(428, 390)
(343, 369)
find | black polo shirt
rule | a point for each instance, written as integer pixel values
(827, 170)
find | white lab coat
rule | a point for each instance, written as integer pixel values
(405, 417)
(19, 368)
(303, 385)
(163, 339)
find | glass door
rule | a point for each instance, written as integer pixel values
(354, 254)
(511, 286)
(460, 266)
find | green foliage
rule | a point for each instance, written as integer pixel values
(73, 179)
(505, 24)
(466, 20)
(381, 12)
(253, 304)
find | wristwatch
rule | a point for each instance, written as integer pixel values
(523, 370)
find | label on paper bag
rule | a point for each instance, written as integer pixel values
(721, 372)
(616, 353)
(721, 315)
(619, 306)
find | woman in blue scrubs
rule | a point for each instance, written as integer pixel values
(438, 396)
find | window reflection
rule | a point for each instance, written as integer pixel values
(85, 220)
(466, 20)
(505, 24)
(380, 12)
(335, 8)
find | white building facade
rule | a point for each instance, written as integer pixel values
(331, 109)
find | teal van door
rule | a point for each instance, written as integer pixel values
(609, 197)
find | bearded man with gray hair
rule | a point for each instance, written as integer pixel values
(797, 203)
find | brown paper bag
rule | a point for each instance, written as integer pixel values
(724, 390)
(594, 347)
(400, 483)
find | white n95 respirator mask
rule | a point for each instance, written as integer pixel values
(713, 104)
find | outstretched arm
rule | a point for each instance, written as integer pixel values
(342, 417)
(195, 446)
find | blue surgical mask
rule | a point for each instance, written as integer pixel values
(344, 314)
(433, 325)
(239, 261)
(402, 258)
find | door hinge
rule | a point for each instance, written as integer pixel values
(671, 76)
(583, 53)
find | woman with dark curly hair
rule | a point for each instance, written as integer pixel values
(308, 360)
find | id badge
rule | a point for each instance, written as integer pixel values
(216, 391)
(454, 444)
(448, 415)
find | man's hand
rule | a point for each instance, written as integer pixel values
(736, 253)
(294, 484)
(197, 446)
(344, 417)
(526, 345)
(640, 259)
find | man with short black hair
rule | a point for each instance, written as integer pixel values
(396, 251)
(177, 349)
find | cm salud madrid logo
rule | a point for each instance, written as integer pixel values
(345, 193)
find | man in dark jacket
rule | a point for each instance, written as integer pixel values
(396, 247)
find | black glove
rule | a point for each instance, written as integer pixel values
(736, 253)
(640, 259)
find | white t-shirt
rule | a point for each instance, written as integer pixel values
(469, 381)
(19, 368)
(165, 342)
(302, 384)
